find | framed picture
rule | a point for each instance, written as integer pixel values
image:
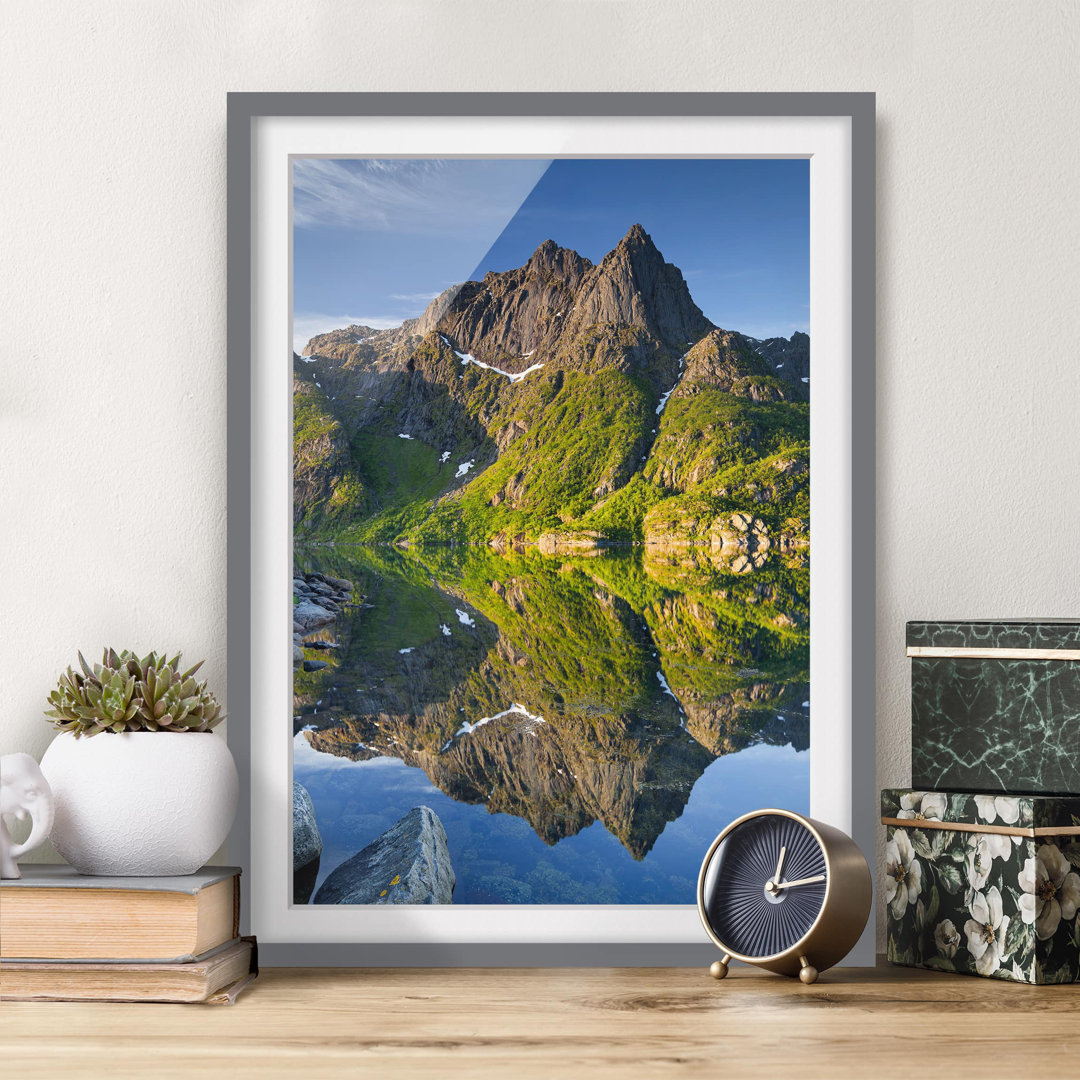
(522, 426)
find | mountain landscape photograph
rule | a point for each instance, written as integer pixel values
(551, 522)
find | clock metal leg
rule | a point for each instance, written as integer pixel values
(718, 969)
(808, 974)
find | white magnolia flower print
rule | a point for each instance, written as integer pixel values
(947, 938)
(923, 805)
(903, 874)
(1057, 890)
(982, 850)
(986, 930)
(992, 807)
(1026, 880)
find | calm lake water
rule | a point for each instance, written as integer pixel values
(583, 726)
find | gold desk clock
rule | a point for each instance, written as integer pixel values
(784, 892)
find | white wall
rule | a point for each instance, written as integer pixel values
(112, 278)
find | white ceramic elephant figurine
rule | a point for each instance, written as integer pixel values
(23, 792)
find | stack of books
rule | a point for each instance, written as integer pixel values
(65, 936)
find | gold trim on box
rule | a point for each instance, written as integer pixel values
(999, 830)
(994, 654)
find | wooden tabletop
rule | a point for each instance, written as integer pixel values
(558, 1022)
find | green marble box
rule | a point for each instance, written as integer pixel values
(983, 884)
(995, 706)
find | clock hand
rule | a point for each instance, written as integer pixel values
(779, 863)
(801, 881)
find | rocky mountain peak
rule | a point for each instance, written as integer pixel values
(633, 285)
(562, 263)
(558, 294)
(637, 252)
(637, 237)
(511, 316)
(545, 254)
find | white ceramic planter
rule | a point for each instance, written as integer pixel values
(144, 803)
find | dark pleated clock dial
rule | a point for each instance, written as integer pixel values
(742, 913)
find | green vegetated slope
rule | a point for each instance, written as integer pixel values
(580, 454)
(617, 619)
(327, 487)
(716, 454)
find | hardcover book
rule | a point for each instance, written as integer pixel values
(216, 978)
(56, 913)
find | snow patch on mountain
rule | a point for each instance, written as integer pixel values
(664, 398)
(520, 710)
(468, 358)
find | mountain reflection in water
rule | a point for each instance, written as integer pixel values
(563, 716)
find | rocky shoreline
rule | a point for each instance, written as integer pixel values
(317, 602)
(409, 863)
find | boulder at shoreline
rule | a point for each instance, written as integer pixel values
(307, 845)
(407, 864)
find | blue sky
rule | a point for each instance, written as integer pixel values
(374, 240)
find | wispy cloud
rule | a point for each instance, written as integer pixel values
(415, 297)
(414, 196)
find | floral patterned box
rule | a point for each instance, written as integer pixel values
(983, 884)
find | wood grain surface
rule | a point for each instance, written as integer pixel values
(557, 1022)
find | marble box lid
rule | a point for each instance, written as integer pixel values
(1041, 634)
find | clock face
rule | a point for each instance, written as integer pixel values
(764, 886)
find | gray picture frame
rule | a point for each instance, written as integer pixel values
(243, 110)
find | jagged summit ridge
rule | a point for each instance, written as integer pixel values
(543, 307)
(632, 311)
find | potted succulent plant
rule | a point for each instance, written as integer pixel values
(155, 794)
